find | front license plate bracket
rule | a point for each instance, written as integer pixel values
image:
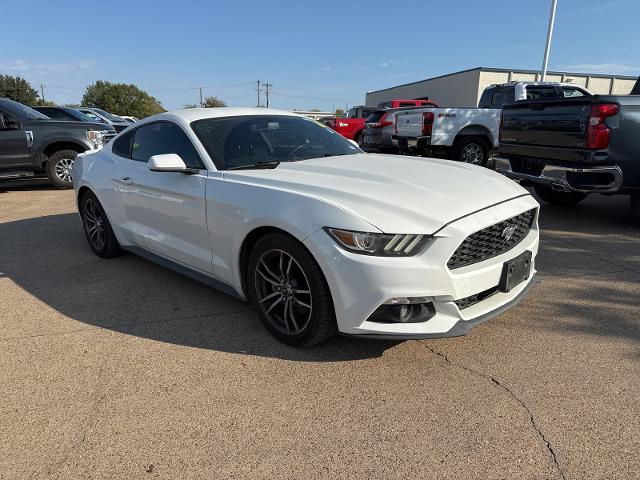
(515, 271)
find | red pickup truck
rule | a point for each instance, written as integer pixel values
(351, 125)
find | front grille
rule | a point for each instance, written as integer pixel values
(492, 241)
(473, 299)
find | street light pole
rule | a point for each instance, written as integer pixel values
(552, 18)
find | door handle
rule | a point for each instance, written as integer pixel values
(124, 180)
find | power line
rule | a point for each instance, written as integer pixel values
(267, 85)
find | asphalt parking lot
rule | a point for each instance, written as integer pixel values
(122, 369)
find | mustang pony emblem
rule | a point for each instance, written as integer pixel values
(508, 232)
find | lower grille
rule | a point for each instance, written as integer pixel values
(473, 299)
(492, 241)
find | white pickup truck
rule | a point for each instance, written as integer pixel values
(468, 134)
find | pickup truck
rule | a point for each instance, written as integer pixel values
(469, 134)
(32, 144)
(464, 134)
(351, 125)
(569, 148)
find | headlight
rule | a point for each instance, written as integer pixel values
(95, 137)
(381, 244)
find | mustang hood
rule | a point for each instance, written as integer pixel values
(395, 194)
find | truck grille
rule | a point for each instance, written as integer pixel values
(492, 241)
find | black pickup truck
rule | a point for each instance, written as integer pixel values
(32, 144)
(568, 148)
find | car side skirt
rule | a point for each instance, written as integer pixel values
(184, 270)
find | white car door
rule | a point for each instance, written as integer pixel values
(165, 211)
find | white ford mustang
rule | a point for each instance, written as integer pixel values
(284, 212)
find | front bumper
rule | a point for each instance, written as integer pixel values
(601, 179)
(359, 284)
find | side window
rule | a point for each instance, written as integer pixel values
(498, 98)
(10, 122)
(572, 92)
(122, 144)
(163, 137)
(537, 93)
(58, 114)
(407, 104)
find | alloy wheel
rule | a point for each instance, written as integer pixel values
(283, 292)
(94, 223)
(63, 169)
(472, 153)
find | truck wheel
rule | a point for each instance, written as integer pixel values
(470, 150)
(555, 197)
(59, 166)
(635, 207)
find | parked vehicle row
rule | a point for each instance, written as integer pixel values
(32, 144)
(283, 212)
(351, 125)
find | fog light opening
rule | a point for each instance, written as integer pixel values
(404, 310)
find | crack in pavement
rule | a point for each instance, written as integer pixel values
(498, 383)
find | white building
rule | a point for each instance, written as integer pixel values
(463, 89)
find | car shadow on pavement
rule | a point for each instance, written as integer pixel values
(48, 258)
(590, 256)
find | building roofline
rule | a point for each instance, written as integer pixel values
(507, 70)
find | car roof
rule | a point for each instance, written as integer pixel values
(192, 114)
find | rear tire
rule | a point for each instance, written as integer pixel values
(555, 197)
(59, 166)
(472, 150)
(97, 228)
(289, 291)
(635, 207)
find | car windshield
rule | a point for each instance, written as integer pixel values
(236, 142)
(110, 116)
(23, 111)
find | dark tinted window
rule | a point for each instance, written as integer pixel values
(572, 92)
(122, 144)
(375, 117)
(385, 105)
(535, 93)
(163, 137)
(498, 98)
(57, 114)
(407, 104)
(247, 140)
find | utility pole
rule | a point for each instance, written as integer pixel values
(258, 90)
(267, 85)
(42, 92)
(201, 102)
(552, 18)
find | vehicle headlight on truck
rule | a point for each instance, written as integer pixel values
(96, 137)
(379, 244)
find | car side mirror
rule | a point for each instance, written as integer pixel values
(169, 162)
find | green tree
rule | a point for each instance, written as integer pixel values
(339, 112)
(213, 102)
(18, 89)
(121, 99)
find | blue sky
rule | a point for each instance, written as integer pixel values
(317, 54)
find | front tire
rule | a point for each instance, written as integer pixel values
(289, 291)
(471, 150)
(555, 197)
(97, 228)
(59, 167)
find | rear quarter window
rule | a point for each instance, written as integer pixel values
(122, 144)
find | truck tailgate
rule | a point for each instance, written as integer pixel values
(560, 124)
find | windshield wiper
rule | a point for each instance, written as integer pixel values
(256, 165)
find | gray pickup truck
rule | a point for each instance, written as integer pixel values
(569, 148)
(32, 144)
